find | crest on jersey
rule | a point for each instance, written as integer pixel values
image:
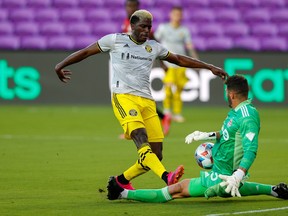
(133, 112)
(148, 48)
(229, 123)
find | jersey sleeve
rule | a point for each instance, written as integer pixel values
(107, 42)
(187, 36)
(163, 53)
(249, 130)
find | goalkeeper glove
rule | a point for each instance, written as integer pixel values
(232, 182)
(198, 135)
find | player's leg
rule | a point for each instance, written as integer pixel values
(180, 81)
(168, 83)
(178, 190)
(253, 188)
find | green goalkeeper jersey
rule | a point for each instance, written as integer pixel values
(238, 143)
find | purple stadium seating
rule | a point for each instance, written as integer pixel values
(64, 3)
(78, 29)
(9, 42)
(71, 15)
(62, 42)
(199, 43)
(102, 29)
(283, 30)
(21, 14)
(90, 3)
(38, 3)
(83, 41)
(280, 16)
(256, 16)
(219, 43)
(13, 3)
(236, 30)
(3, 14)
(118, 16)
(6, 28)
(46, 15)
(193, 4)
(34, 43)
(97, 15)
(244, 5)
(167, 4)
(226, 16)
(221, 4)
(26, 28)
(264, 30)
(210, 30)
(202, 16)
(52, 29)
(114, 4)
(274, 43)
(247, 43)
(272, 4)
(147, 4)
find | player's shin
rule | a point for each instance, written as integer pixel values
(149, 160)
(148, 195)
(251, 188)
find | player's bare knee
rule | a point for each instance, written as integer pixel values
(139, 136)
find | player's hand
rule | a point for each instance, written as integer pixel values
(198, 135)
(64, 74)
(219, 72)
(232, 182)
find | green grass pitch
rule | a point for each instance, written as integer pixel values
(55, 160)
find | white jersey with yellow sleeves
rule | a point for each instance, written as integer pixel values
(131, 63)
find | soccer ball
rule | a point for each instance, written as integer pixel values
(203, 155)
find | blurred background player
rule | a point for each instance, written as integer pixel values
(131, 6)
(176, 38)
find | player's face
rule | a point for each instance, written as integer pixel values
(131, 7)
(141, 30)
(229, 98)
(176, 16)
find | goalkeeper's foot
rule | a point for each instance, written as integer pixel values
(113, 188)
(174, 177)
(126, 186)
(281, 190)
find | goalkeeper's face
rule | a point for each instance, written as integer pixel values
(229, 98)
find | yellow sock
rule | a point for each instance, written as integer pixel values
(134, 171)
(148, 159)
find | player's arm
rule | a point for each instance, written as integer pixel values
(64, 74)
(185, 61)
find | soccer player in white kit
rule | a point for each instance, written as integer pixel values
(132, 57)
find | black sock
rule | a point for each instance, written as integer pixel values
(165, 177)
(122, 179)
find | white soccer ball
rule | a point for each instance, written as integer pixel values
(203, 155)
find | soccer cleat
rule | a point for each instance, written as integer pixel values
(174, 177)
(113, 188)
(166, 122)
(126, 186)
(281, 190)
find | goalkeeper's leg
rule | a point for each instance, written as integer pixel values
(253, 188)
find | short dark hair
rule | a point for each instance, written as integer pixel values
(177, 7)
(238, 84)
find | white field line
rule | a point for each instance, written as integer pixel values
(251, 211)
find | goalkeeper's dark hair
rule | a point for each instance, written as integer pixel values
(238, 84)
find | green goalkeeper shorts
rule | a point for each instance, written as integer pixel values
(198, 186)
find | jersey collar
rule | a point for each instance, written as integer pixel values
(243, 104)
(132, 39)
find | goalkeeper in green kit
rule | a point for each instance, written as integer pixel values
(233, 153)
